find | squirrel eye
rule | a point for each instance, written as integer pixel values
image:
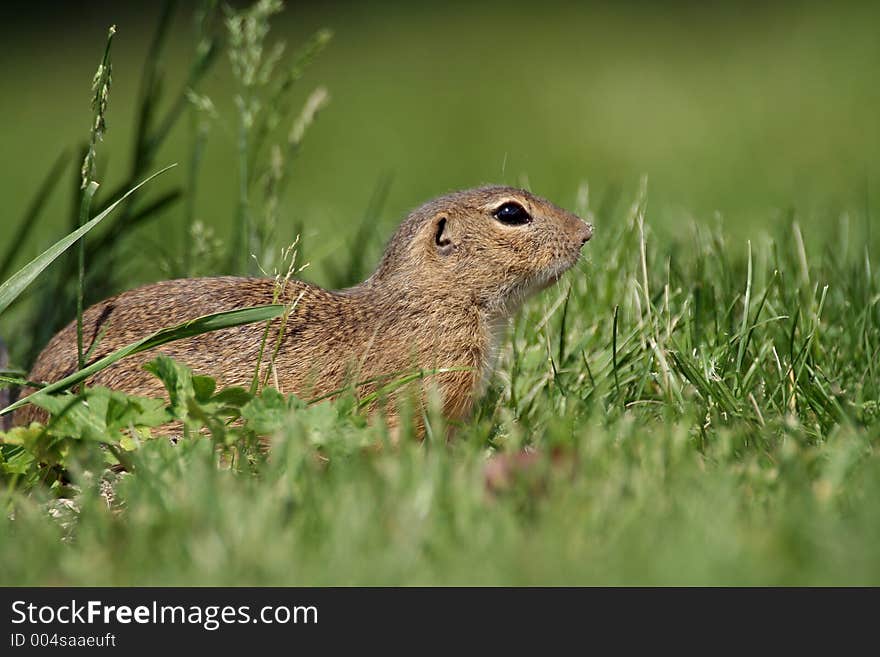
(512, 214)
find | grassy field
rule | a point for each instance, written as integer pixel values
(703, 390)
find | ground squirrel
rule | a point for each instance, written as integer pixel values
(452, 274)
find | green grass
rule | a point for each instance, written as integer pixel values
(704, 394)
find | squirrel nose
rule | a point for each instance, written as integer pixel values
(586, 232)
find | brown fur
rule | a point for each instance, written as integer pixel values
(429, 305)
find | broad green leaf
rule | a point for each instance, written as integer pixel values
(203, 387)
(17, 460)
(266, 414)
(177, 379)
(100, 414)
(233, 397)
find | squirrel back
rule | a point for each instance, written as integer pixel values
(452, 274)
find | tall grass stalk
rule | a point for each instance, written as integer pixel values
(251, 67)
(201, 111)
(288, 254)
(263, 104)
(57, 302)
(100, 97)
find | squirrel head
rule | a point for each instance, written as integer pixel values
(492, 245)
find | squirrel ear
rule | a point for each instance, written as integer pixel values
(441, 236)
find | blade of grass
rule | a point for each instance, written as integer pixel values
(352, 271)
(614, 353)
(402, 381)
(207, 49)
(709, 390)
(745, 318)
(101, 245)
(17, 283)
(148, 95)
(755, 322)
(561, 356)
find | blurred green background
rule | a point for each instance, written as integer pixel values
(743, 116)
(743, 111)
